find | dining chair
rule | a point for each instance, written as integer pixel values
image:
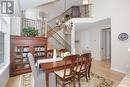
(66, 74)
(62, 51)
(82, 68)
(88, 56)
(50, 53)
(38, 77)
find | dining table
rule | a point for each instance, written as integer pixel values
(50, 65)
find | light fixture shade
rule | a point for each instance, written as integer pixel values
(85, 2)
(128, 49)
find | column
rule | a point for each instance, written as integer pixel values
(73, 40)
(45, 23)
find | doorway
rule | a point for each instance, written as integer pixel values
(106, 44)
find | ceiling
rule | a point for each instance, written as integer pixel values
(25, 4)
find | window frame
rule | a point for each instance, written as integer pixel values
(5, 28)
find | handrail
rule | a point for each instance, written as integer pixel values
(55, 32)
(60, 14)
(56, 39)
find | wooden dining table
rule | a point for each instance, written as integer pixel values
(51, 66)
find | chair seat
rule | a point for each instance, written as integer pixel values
(61, 73)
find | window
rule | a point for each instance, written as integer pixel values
(4, 41)
(1, 48)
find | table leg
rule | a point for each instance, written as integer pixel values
(47, 79)
(89, 70)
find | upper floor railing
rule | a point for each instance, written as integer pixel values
(72, 12)
(37, 24)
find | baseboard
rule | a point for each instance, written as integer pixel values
(98, 59)
(108, 57)
(118, 70)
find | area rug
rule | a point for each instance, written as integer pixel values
(94, 81)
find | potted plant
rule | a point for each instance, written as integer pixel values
(29, 32)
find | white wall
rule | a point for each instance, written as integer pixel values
(15, 26)
(89, 36)
(102, 8)
(119, 12)
(32, 13)
(120, 23)
(25, 4)
(17, 8)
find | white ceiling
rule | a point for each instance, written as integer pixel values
(25, 4)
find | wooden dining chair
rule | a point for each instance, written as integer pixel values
(50, 53)
(88, 56)
(67, 74)
(38, 78)
(82, 68)
(62, 51)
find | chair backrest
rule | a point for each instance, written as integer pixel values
(34, 69)
(69, 64)
(50, 53)
(88, 56)
(62, 51)
(83, 62)
(87, 59)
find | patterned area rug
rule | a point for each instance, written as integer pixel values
(95, 81)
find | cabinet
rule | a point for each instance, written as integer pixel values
(20, 47)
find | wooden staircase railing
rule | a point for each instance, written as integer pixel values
(58, 38)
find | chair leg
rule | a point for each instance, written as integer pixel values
(63, 84)
(79, 81)
(56, 81)
(86, 76)
(74, 82)
(89, 70)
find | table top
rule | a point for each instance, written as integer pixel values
(54, 65)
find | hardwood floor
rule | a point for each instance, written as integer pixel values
(14, 82)
(101, 68)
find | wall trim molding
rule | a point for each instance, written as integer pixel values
(98, 59)
(121, 71)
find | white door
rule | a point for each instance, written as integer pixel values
(105, 44)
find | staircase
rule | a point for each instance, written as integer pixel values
(54, 27)
(56, 31)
